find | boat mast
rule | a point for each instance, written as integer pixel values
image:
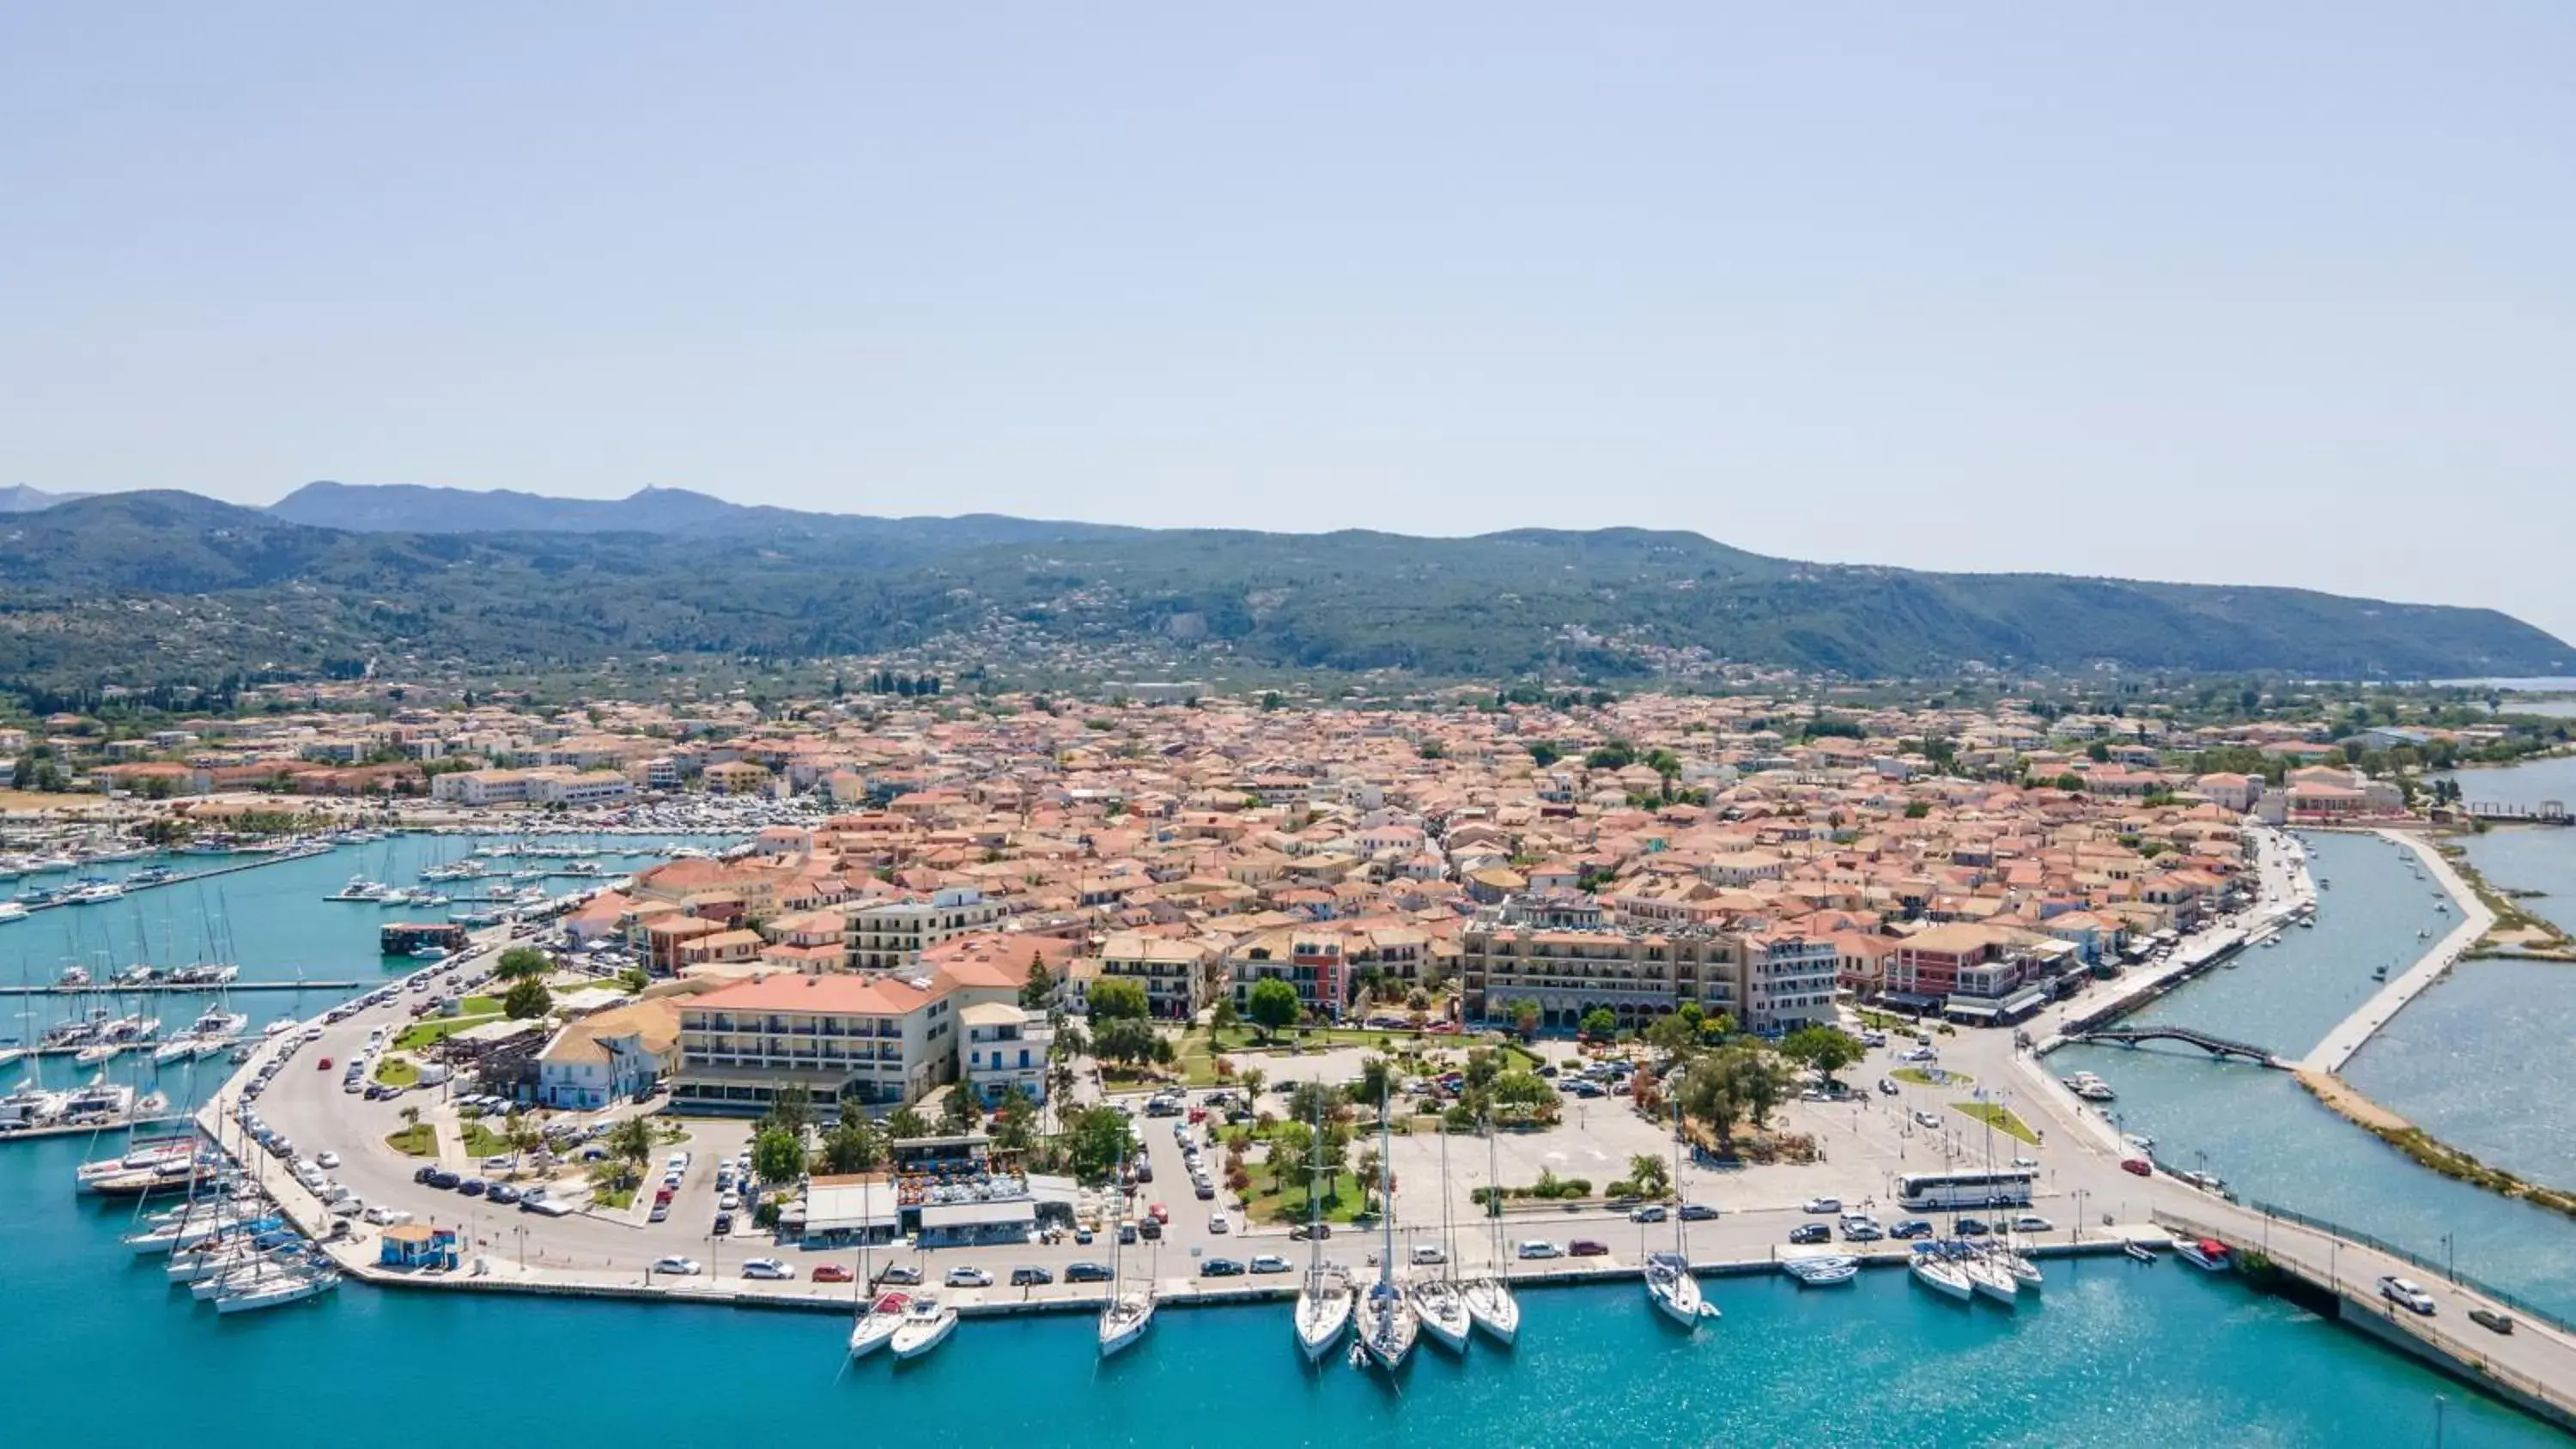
(1679, 1245)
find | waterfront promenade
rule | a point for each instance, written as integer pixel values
(2350, 1034)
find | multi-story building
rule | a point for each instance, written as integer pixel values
(1788, 980)
(844, 1039)
(1006, 1046)
(1635, 976)
(891, 935)
(1173, 973)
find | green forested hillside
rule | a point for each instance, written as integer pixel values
(144, 587)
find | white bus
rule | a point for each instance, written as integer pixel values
(1938, 1191)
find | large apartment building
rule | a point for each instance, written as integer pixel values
(1570, 972)
(891, 935)
(856, 1039)
(1175, 974)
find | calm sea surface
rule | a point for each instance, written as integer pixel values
(2116, 1356)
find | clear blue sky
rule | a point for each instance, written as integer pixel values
(2277, 293)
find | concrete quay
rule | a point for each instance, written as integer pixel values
(2354, 1031)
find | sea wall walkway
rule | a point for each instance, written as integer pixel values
(2350, 1034)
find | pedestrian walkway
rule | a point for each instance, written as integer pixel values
(2476, 920)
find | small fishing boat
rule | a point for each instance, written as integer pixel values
(2207, 1254)
(1824, 1271)
(2138, 1251)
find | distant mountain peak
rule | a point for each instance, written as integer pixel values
(19, 498)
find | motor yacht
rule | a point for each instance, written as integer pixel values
(926, 1325)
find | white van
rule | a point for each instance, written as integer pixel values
(1428, 1254)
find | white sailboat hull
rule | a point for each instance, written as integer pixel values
(1992, 1284)
(278, 1294)
(1493, 1309)
(873, 1333)
(1387, 1329)
(1943, 1279)
(1123, 1323)
(1677, 1297)
(1443, 1315)
(1321, 1319)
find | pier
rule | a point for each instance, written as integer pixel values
(2476, 920)
(2547, 812)
(210, 873)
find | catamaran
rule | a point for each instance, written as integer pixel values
(1490, 1304)
(1669, 1283)
(1323, 1299)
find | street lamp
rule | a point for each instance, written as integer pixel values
(2451, 1258)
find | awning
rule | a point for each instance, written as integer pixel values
(1909, 999)
(978, 1214)
(2024, 999)
(1970, 1006)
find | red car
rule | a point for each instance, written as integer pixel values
(830, 1273)
(1587, 1248)
(323, 1065)
(2138, 1165)
(1161, 1213)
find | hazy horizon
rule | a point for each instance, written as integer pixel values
(2274, 297)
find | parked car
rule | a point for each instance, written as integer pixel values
(326, 1159)
(2408, 1294)
(1822, 1205)
(1587, 1248)
(1862, 1231)
(503, 1193)
(899, 1275)
(1540, 1248)
(661, 1213)
(1973, 1228)
(1026, 1276)
(1303, 1232)
(2033, 1223)
(474, 1187)
(1811, 1233)
(1698, 1212)
(1269, 1263)
(1652, 1212)
(1218, 1222)
(675, 1264)
(769, 1268)
(1425, 1254)
(965, 1277)
(2137, 1166)
(1086, 1273)
(1220, 1268)
(724, 1225)
(832, 1273)
(1887, 1086)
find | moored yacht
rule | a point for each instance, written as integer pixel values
(1125, 1320)
(1443, 1311)
(876, 1327)
(1941, 1276)
(2208, 1254)
(926, 1325)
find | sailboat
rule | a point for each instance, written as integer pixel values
(1669, 1284)
(1436, 1299)
(875, 1324)
(1490, 1304)
(1939, 1274)
(1387, 1322)
(1323, 1299)
(1126, 1316)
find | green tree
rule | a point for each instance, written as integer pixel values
(523, 1135)
(1599, 1024)
(778, 1156)
(1525, 1015)
(1822, 1048)
(1039, 989)
(630, 1141)
(1648, 1171)
(1127, 1040)
(1292, 1155)
(1275, 1006)
(957, 1112)
(1099, 1140)
(1115, 998)
(2071, 783)
(1377, 1080)
(1015, 1121)
(527, 997)
(791, 1109)
(853, 1144)
(521, 963)
(633, 979)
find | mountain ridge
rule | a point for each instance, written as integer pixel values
(173, 586)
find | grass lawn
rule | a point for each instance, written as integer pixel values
(1264, 1206)
(2000, 1118)
(420, 1035)
(482, 1141)
(1933, 1078)
(415, 1141)
(481, 1006)
(612, 1197)
(398, 1072)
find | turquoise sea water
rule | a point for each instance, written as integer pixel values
(2274, 1143)
(2116, 1356)
(2515, 1015)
